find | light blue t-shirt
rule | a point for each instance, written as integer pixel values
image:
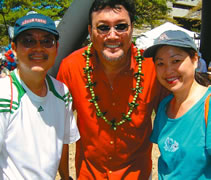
(181, 141)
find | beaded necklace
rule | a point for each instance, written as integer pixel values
(90, 85)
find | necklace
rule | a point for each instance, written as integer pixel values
(90, 85)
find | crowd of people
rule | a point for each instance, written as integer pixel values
(114, 88)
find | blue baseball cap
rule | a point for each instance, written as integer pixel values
(35, 21)
(172, 38)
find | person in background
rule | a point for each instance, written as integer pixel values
(202, 66)
(180, 130)
(36, 117)
(209, 67)
(114, 92)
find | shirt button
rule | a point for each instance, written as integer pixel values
(110, 172)
(110, 158)
(113, 104)
(111, 142)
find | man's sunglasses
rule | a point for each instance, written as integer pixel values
(31, 42)
(120, 28)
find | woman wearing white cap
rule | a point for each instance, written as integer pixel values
(180, 130)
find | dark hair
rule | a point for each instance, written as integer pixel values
(129, 5)
(201, 78)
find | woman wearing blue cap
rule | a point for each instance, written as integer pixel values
(180, 128)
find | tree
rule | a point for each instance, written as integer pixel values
(151, 12)
(194, 16)
(11, 10)
(7, 17)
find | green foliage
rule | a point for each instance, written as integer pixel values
(11, 10)
(151, 12)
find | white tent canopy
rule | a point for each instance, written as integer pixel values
(147, 39)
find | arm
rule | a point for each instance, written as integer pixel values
(64, 163)
(4, 121)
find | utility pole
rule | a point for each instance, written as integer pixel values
(205, 45)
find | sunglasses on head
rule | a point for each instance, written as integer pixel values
(29, 42)
(120, 28)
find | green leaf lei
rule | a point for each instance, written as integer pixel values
(90, 85)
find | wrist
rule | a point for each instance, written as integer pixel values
(70, 178)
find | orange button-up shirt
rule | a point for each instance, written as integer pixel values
(104, 153)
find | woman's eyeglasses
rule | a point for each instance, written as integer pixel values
(120, 28)
(31, 42)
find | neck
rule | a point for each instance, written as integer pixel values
(190, 93)
(35, 82)
(113, 68)
(183, 101)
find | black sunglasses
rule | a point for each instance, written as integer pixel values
(120, 28)
(29, 42)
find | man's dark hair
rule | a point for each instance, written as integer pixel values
(129, 5)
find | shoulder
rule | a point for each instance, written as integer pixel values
(147, 61)
(209, 94)
(166, 100)
(59, 90)
(72, 63)
(74, 58)
(9, 93)
(5, 86)
(148, 67)
(71, 67)
(8, 85)
(57, 86)
(209, 88)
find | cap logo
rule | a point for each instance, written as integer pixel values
(27, 21)
(163, 37)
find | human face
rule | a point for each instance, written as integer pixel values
(114, 44)
(37, 58)
(175, 68)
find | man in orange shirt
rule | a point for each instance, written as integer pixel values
(114, 93)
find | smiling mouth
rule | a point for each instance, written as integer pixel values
(171, 80)
(112, 45)
(38, 56)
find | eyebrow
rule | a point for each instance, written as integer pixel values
(158, 58)
(176, 55)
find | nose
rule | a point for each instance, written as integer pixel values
(38, 45)
(112, 34)
(168, 69)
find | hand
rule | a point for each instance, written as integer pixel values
(70, 178)
(2, 75)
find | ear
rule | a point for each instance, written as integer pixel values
(195, 60)
(57, 47)
(14, 48)
(132, 29)
(132, 26)
(90, 31)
